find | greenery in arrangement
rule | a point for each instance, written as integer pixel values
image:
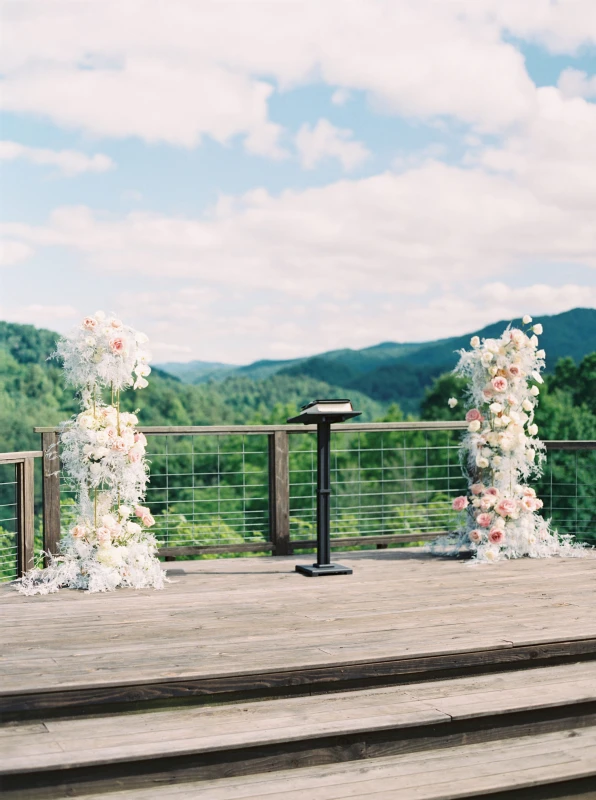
(214, 489)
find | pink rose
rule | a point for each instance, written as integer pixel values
(487, 502)
(142, 511)
(493, 491)
(147, 520)
(528, 503)
(111, 432)
(484, 520)
(512, 400)
(496, 536)
(117, 345)
(506, 507)
(514, 370)
(89, 323)
(134, 456)
(477, 488)
(473, 414)
(78, 531)
(140, 437)
(529, 492)
(460, 503)
(115, 323)
(475, 536)
(119, 445)
(538, 503)
(499, 384)
(488, 392)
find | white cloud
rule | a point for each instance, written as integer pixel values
(70, 162)
(124, 69)
(574, 83)
(41, 315)
(554, 154)
(325, 141)
(340, 97)
(12, 252)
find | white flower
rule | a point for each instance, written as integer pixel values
(493, 370)
(527, 405)
(533, 429)
(452, 402)
(538, 329)
(530, 454)
(100, 315)
(475, 341)
(541, 354)
(496, 408)
(141, 338)
(534, 341)
(497, 461)
(142, 370)
(535, 391)
(527, 319)
(124, 511)
(537, 377)
(481, 462)
(486, 358)
(140, 383)
(474, 426)
(110, 556)
(505, 420)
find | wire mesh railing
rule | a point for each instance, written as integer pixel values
(8, 522)
(248, 489)
(384, 483)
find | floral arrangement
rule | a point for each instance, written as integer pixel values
(501, 449)
(104, 459)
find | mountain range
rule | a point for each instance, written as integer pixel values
(398, 372)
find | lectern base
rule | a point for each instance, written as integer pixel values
(317, 570)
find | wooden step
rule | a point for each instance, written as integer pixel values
(561, 764)
(50, 757)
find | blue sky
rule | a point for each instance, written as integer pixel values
(277, 179)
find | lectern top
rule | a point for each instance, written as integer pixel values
(332, 410)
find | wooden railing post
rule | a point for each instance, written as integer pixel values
(25, 478)
(51, 491)
(279, 493)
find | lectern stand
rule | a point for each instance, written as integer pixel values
(323, 413)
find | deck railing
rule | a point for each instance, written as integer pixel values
(242, 489)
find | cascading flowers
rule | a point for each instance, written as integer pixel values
(501, 449)
(104, 459)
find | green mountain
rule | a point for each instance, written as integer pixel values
(400, 372)
(32, 393)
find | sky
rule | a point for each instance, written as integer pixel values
(246, 179)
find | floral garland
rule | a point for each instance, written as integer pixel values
(104, 459)
(501, 449)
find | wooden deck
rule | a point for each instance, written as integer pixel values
(410, 654)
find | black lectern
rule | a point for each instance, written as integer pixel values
(322, 413)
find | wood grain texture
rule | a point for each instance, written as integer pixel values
(279, 493)
(253, 627)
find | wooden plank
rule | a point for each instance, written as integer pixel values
(51, 492)
(25, 476)
(248, 547)
(279, 492)
(15, 458)
(210, 430)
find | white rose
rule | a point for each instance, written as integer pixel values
(110, 556)
(527, 405)
(535, 391)
(475, 341)
(133, 528)
(530, 454)
(498, 475)
(497, 461)
(125, 511)
(141, 338)
(101, 437)
(100, 452)
(481, 462)
(486, 358)
(474, 426)
(493, 371)
(496, 408)
(452, 402)
(537, 329)
(533, 429)
(505, 420)
(100, 315)
(527, 319)
(541, 354)
(90, 341)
